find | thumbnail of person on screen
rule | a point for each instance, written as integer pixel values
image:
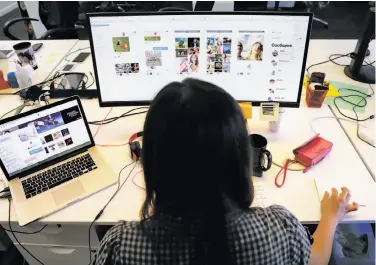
(239, 51)
(193, 62)
(255, 53)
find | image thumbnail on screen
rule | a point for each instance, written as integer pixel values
(187, 52)
(250, 47)
(121, 44)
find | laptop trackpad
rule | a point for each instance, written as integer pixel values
(68, 192)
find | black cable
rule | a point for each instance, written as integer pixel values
(112, 119)
(363, 99)
(116, 118)
(87, 79)
(373, 91)
(330, 60)
(351, 55)
(27, 233)
(112, 197)
(93, 80)
(19, 243)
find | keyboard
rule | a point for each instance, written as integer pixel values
(259, 199)
(58, 175)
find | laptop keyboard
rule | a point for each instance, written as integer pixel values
(58, 175)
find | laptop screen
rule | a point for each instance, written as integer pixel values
(31, 140)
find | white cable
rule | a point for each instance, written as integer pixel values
(332, 117)
(46, 97)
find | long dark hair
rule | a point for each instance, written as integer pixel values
(196, 160)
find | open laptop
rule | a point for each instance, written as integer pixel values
(50, 160)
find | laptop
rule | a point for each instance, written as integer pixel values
(49, 158)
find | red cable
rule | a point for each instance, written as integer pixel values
(111, 145)
(100, 125)
(97, 131)
(135, 182)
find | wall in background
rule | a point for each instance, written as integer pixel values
(7, 6)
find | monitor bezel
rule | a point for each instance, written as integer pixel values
(295, 104)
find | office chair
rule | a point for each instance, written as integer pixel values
(59, 18)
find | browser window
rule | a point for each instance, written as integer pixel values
(253, 57)
(41, 137)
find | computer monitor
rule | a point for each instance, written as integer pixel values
(254, 56)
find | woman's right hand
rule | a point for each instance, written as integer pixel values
(335, 206)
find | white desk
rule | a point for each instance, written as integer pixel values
(48, 57)
(298, 194)
(334, 72)
(294, 131)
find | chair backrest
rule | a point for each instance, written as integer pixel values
(250, 5)
(58, 14)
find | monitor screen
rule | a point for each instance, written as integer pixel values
(34, 139)
(256, 57)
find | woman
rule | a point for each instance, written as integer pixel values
(240, 50)
(196, 162)
(193, 62)
(256, 52)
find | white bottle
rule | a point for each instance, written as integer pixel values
(24, 75)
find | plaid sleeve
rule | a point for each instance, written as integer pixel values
(108, 253)
(300, 246)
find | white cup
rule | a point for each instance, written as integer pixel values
(274, 125)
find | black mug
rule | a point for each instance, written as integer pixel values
(258, 153)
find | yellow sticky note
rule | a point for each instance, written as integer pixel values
(246, 108)
(332, 92)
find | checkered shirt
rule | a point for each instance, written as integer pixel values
(260, 236)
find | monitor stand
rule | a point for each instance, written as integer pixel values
(366, 74)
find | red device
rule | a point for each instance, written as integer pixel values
(313, 151)
(3, 83)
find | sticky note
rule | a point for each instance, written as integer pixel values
(246, 108)
(269, 111)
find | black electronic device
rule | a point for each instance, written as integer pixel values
(70, 81)
(135, 146)
(32, 93)
(317, 77)
(321, 87)
(356, 70)
(37, 46)
(67, 67)
(81, 57)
